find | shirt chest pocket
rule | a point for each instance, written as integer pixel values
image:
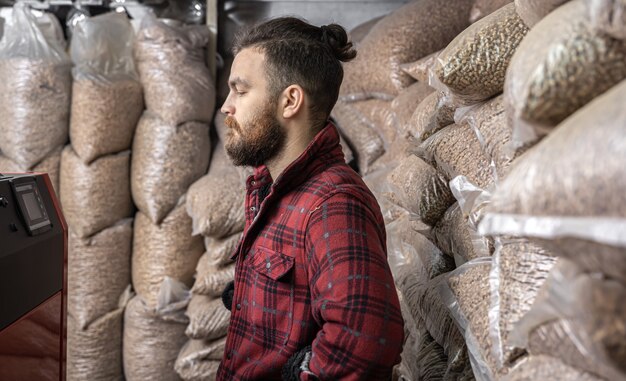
(271, 298)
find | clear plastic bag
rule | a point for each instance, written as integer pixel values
(177, 83)
(211, 280)
(216, 201)
(578, 318)
(547, 368)
(419, 188)
(97, 195)
(208, 318)
(415, 335)
(532, 11)
(166, 160)
(219, 250)
(608, 16)
(430, 116)
(107, 98)
(35, 89)
(484, 8)
(360, 31)
(412, 31)
(419, 69)
(472, 68)
(568, 193)
(402, 108)
(165, 250)
(199, 360)
(559, 67)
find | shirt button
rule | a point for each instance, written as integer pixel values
(252, 208)
(253, 183)
(268, 265)
(239, 306)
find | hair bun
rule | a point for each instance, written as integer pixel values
(336, 37)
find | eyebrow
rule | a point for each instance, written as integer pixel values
(238, 81)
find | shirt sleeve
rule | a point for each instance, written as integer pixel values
(353, 297)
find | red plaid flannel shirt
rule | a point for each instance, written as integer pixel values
(312, 269)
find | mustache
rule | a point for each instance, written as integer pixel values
(231, 122)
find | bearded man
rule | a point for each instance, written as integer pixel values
(313, 296)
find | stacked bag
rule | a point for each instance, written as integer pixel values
(171, 150)
(95, 192)
(534, 227)
(36, 81)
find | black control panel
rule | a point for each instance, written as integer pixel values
(31, 245)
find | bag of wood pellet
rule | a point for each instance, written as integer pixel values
(199, 359)
(96, 195)
(455, 150)
(414, 335)
(208, 318)
(402, 108)
(412, 31)
(484, 8)
(153, 339)
(211, 280)
(171, 62)
(50, 164)
(362, 133)
(466, 292)
(420, 189)
(35, 89)
(532, 11)
(472, 68)
(164, 250)
(561, 65)
(430, 116)
(94, 352)
(216, 201)
(219, 250)
(608, 16)
(568, 193)
(107, 98)
(166, 160)
(518, 271)
(547, 368)
(579, 318)
(419, 69)
(360, 31)
(98, 271)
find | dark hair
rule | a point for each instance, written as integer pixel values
(297, 52)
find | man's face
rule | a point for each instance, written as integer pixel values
(254, 132)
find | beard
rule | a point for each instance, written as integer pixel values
(256, 142)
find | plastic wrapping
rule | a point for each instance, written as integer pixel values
(454, 151)
(187, 11)
(430, 116)
(580, 319)
(547, 368)
(412, 31)
(35, 89)
(560, 66)
(216, 201)
(361, 133)
(569, 191)
(211, 280)
(166, 160)
(360, 31)
(608, 16)
(467, 294)
(199, 360)
(403, 107)
(50, 164)
(94, 352)
(165, 250)
(419, 188)
(107, 98)
(518, 271)
(98, 271)
(177, 84)
(219, 250)
(97, 195)
(415, 336)
(151, 343)
(484, 8)
(379, 115)
(420, 68)
(472, 68)
(208, 318)
(532, 11)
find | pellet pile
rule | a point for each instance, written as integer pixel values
(171, 150)
(35, 92)
(95, 194)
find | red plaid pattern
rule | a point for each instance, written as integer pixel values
(312, 268)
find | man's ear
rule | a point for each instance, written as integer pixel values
(292, 101)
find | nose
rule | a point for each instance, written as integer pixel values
(228, 108)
